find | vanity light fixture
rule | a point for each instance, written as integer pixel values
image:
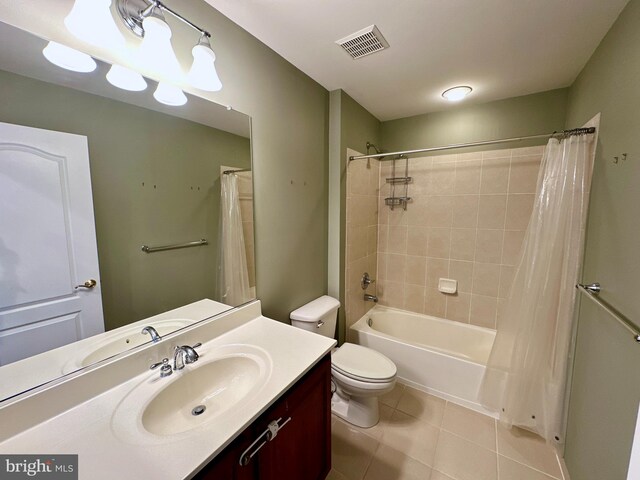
(145, 18)
(156, 52)
(455, 94)
(203, 73)
(91, 21)
(126, 79)
(169, 95)
(69, 58)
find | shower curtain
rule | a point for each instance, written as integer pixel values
(527, 370)
(233, 277)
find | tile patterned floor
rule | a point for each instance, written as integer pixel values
(422, 437)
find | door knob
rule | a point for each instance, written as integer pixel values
(88, 284)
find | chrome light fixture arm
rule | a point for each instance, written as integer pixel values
(133, 12)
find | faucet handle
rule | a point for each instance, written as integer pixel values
(366, 280)
(166, 370)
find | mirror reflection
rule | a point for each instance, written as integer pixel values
(116, 213)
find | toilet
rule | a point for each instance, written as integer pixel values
(360, 375)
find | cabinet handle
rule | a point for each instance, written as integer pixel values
(268, 435)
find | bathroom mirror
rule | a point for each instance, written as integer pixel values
(155, 189)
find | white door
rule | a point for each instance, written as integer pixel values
(47, 242)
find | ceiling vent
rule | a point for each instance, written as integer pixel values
(365, 42)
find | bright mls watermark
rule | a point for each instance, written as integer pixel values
(50, 467)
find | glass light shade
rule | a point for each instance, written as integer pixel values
(156, 52)
(68, 58)
(169, 95)
(126, 79)
(203, 73)
(91, 21)
(456, 94)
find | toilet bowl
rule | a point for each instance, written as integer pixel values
(360, 375)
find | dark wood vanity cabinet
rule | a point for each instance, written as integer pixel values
(301, 449)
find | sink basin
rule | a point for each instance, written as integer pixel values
(201, 393)
(129, 337)
(222, 381)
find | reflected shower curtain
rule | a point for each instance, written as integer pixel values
(233, 277)
(527, 369)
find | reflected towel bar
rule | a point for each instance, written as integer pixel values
(198, 243)
(591, 291)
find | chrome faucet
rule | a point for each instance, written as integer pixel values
(184, 355)
(155, 336)
(370, 298)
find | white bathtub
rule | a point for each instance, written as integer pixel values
(441, 357)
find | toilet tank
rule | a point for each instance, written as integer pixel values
(318, 316)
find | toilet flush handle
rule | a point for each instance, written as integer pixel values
(319, 324)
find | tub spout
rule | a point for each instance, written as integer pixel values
(370, 298)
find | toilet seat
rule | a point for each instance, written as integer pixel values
(362, 387)
(362, 364)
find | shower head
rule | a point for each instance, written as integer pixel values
(371, 145)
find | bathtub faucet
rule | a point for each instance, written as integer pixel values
(370, 298)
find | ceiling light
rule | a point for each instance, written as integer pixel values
(126, 79)
(203, 73)
(91, 21)
(68, 58)
(456, 94)
(169, 95)
(156, 51)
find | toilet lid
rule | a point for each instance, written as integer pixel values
(363, 363)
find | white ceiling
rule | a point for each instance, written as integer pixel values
(502, 48)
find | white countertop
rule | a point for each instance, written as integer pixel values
(107, 452)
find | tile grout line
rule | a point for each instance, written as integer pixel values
(475, 241)
(495, 429)
(532, 467)
(504, 235)
(476, 444)
(446, 307)
(521, 463)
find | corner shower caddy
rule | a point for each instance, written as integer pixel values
(393, 200)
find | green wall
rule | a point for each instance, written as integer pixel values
(290, 113)
(354, 126)
(155, 181)
(527, 115)
(606, 381)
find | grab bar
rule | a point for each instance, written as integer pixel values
(591, 291)
(198, 243)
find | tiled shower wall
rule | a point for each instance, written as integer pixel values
(466, 221)
(361, 236)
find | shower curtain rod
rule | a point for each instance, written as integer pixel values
(574, 131)
(229, 172)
